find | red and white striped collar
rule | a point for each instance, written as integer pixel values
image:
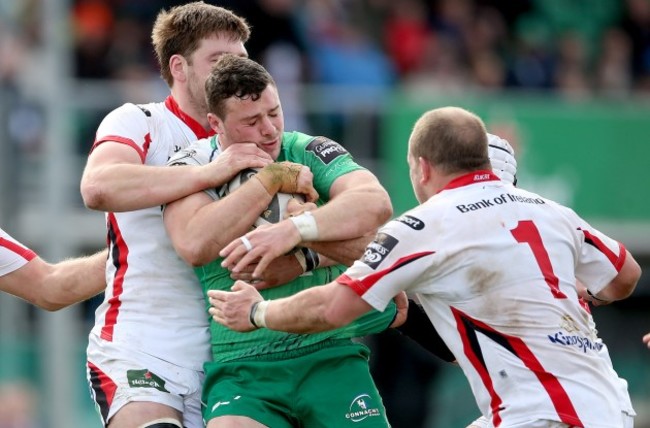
(195, 126)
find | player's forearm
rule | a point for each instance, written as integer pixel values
(127, 187)
(289, 314)
(344, 252)
(353, 213)
(72, 281)
(208, 230)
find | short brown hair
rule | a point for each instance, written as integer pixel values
(452, 139)
(234, 76)
(180, 29)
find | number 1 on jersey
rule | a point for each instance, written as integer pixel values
(526, 233)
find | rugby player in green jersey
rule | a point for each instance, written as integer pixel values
(268, 378)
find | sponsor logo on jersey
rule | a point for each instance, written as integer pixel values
(412, 222)
(326, 149)
(583, 343)
(362, 407)
(145, 379)
(378, 249)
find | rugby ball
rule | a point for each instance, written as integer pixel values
(277, 208)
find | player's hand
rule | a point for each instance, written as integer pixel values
(232, 308)
(265, 244)
(288, 177)
(233, 159)
(583, 293)
(646, 339)
(402, 303)
(295, 207)
(281, 270)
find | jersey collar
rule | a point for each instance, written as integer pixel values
(195, 126)
(471, 178)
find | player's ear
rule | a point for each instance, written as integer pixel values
(215, 123)
(177, 67)
(425, 170)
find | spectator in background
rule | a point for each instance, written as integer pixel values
(18, 405)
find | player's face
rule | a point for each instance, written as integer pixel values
(201, 62)
(260, 122)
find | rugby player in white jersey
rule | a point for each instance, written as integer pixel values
(150, 338)
(495, 268)
(50, 286)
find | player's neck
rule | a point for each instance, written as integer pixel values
(187, 105)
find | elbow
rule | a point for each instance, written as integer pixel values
(192, 253)
(92, 194)
(51, 306)
(386, 211)
(47, 304)
(383, 208)
(378, 209)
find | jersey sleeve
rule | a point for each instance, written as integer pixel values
(600, 257)
(395, 261)
(13, 255)
(199, 153)
(127, 124)
(327, 159)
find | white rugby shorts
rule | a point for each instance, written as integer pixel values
(118, 376)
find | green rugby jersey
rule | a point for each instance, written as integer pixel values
(327, 160)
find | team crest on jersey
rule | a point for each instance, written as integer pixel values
(326, 149)
(362, 407)
(145, 379)
(412, 222)
(378, 249)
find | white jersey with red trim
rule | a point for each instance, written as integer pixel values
(13, 254)
(153, 301)
(494, 267)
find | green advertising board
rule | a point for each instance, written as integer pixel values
(591, 156)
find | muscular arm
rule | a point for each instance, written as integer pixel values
(358, 205)
(344, 252)
(200, 227)
(116, 180)
(55, 286)
(623, 284)
(316, 309)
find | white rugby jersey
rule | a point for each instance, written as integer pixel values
(13, 254)
(494, 267)
(153, 301)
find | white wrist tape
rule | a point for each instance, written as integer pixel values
(300, 256)
(306, 225)
(259, 314)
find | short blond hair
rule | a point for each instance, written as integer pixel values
(450, 138)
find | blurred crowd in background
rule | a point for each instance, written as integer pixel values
(575, 47)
